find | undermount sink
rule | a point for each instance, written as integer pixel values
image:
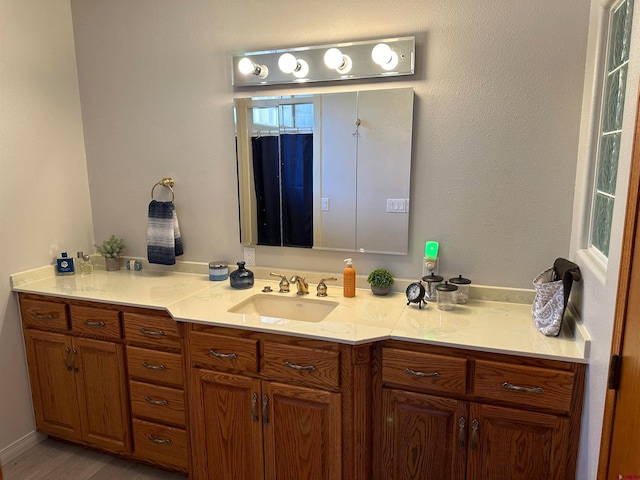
(293, 308)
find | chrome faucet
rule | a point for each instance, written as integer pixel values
(284, 283)
(301, 284)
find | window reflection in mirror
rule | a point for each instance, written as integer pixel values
(326, 171)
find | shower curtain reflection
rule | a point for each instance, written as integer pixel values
(283, 177)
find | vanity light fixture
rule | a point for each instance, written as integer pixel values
(378, 58)
(246, 67)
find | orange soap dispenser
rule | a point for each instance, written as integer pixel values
(349, 280)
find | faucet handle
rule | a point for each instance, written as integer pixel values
(284, 283)
(322, 287)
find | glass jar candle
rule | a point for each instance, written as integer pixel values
(462, 294)
(446, 295)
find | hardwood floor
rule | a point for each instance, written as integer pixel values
(53, 460)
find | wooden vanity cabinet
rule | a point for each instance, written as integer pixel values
(77, 372)
(157, 388)
(454, 414)
(276, 407)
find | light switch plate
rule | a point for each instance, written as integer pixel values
(325, 204)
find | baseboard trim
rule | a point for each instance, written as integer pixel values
(20, 446)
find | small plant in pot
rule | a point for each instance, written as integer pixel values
(381, 281)
(111, 250)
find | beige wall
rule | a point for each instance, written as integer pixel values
(497, 110)
(44, 197)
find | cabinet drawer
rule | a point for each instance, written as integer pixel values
(222, 351)
(424, 371)
(96, 321)
(43, 314)
(151, 330)
(308, 365)
(162, 404)
(522, 384)
(154, 366)
(161, 444)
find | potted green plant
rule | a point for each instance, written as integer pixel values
(111, 250)
(381, 281)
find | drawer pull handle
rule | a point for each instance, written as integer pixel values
(474, 434)
(163, 441)
(510, 386)
(304, 368)
(265, 414)
(152, 367)
(155, 402)
(421, 374)
(43, 317)
(66, 358)
(213, 353)
(461, 434)
(90, 323)
(254, 407)
(156, 333)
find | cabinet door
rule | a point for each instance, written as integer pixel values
(516, 444)
(423, 437)
(102, 394)
(53, 384)
(227, 431)
(302, 433)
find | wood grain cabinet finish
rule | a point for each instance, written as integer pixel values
(157, 389)
(79, 385)
(512, 417)
(305, 413)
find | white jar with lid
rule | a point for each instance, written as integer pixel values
(218, 271)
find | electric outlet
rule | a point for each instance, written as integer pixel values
(250, 256)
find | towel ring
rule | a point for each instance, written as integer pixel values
(165, 182)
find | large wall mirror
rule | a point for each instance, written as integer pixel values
(326, 171)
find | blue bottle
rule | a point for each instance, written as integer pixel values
(64, 265)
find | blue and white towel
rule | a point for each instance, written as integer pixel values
(164, 242)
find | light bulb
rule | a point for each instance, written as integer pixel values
(302, 69)
(246, 66)
(333, 58)
(384, 56)
(287, 63)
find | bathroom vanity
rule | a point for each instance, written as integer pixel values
(152, 366)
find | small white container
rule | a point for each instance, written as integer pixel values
(218, 271)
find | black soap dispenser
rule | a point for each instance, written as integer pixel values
(241, 278)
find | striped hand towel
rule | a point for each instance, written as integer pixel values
(164, 242)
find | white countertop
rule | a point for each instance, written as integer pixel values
(500, 327)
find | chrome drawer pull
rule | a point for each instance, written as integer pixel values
(43, 317)
(421, 374)
(152, 367)
(510, 386)
(308, 368)
(89, 323)
(164, 441)
(213, 353)
(155, 402)
(156, 333)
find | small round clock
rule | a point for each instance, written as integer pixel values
(415, 294)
